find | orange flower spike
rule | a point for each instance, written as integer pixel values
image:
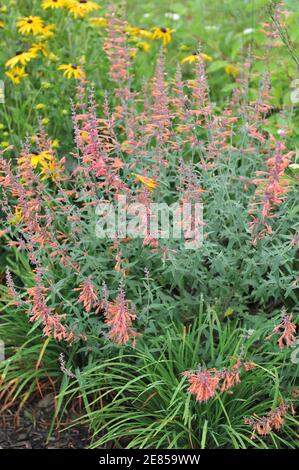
(88, 295)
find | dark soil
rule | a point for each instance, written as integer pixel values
(29, 429)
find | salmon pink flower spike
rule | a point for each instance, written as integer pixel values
(273, 420)
(88, 295)
(120, 319)
(203, 384)
(40, 312)
(286, 331)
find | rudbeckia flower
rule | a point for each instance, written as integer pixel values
(150, 183)
(16, 74)
(71, 71)
(163, 33)
(53, 4)
(195, 56)
(80, 8)
(30, 25)
(39, 159)
(51, 169)
(35, 159)
(139, 32)
(21, 58)
(40, 47)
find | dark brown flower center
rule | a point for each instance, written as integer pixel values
(82, 1)
(74, 67)
(163, 30)
(29, 21)
(19, 52)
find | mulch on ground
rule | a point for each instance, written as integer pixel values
(29, 429)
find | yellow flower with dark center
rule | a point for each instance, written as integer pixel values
(150, 183)
(46, 163)
(164, 34)
(21, 58)
(36, 159)
(190, 59)
(53, 4)
(99, 22)
(16, 74)
(72, 71)
(30, 25)
(39, 47)
(232, 70)
(80, 8)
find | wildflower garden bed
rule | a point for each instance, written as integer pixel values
(149, 226)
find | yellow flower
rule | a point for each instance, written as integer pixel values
(143, 46)
(16, 74)
(80, 8)
(36, 159)
(47, 31)
(2, 24)
(53, 4)
(163, 33)
(40, 106)
(99, 22)
(232, 70)
(45, 121)
(150, 183)
(39, 47)
(30, 25)
(21, 58)
(71, 71)
(51, 169)
(139, 32)
(17, 217)
(195, 56)
(47, 164)
(84, 136)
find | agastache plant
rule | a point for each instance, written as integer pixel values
(164, 144)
